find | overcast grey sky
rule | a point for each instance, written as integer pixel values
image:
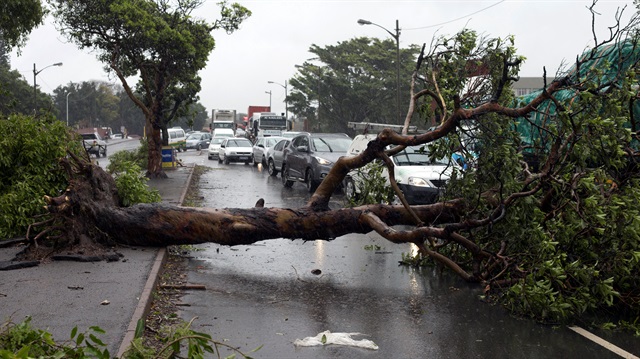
(279, 33)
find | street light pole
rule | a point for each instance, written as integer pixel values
(35, 73)
(286, 94)
(68, 93)
(396, 36)
(269, 92)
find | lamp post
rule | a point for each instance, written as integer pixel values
(269, 92)
(396, 36)
(35, 73)
(68, 93)
(286, 107)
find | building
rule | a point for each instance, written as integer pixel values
(527, 85)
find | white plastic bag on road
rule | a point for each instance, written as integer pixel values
(327, 337)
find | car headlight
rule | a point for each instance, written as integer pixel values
(322, 161)
(420, 182)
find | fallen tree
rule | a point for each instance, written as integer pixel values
(549, 226)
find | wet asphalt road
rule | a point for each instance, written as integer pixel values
(270, 293)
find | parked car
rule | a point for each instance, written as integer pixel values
(260, 148)
(310, 156)
(214, 147)
(94, 144)
(234, 149)
(117, 136)
(198, 140)
(420, 177)
(275, 155)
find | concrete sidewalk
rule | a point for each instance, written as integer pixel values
(61, 295)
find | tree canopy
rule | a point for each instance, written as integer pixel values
(159, 42)
(17, 19)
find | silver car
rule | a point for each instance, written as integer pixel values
(275, 156)
(260, 148)
(198, 141)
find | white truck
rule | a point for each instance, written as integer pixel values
(223, 123)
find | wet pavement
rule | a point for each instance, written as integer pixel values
(276, 291)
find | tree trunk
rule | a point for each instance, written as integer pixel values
(91, 208)
(154, 169)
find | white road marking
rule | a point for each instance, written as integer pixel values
(596, 339)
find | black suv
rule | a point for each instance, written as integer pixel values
(309, 157)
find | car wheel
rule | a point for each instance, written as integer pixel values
(308, 179)
(209, 157)
(264, 161)
(350, 189)
(271, 168)
(219, 159)
(253, 159)
(198, 147)
(104, 154)
(285, 176)
(98, 154)
(226, 160)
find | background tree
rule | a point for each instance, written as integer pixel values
(195, 117)
(356, 81)
(91, 104)
(161, 44)
(16, 94)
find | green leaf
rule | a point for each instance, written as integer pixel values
(139, 328)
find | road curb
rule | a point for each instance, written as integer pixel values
(144, 303)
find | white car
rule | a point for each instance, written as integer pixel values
(420, 178)
(260, 148)
(214, 147)
(234, 149)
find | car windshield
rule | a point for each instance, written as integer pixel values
(417, 156)
(90, 136)
(239, 143)
(194, 136)
(331, 144)
(217, 140)
(270, 142)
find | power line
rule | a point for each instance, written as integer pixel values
(456, 19)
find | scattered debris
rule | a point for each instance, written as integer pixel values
(183, 286)
(11, 265)
(326, 338)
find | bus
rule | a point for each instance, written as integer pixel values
(268, 124)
